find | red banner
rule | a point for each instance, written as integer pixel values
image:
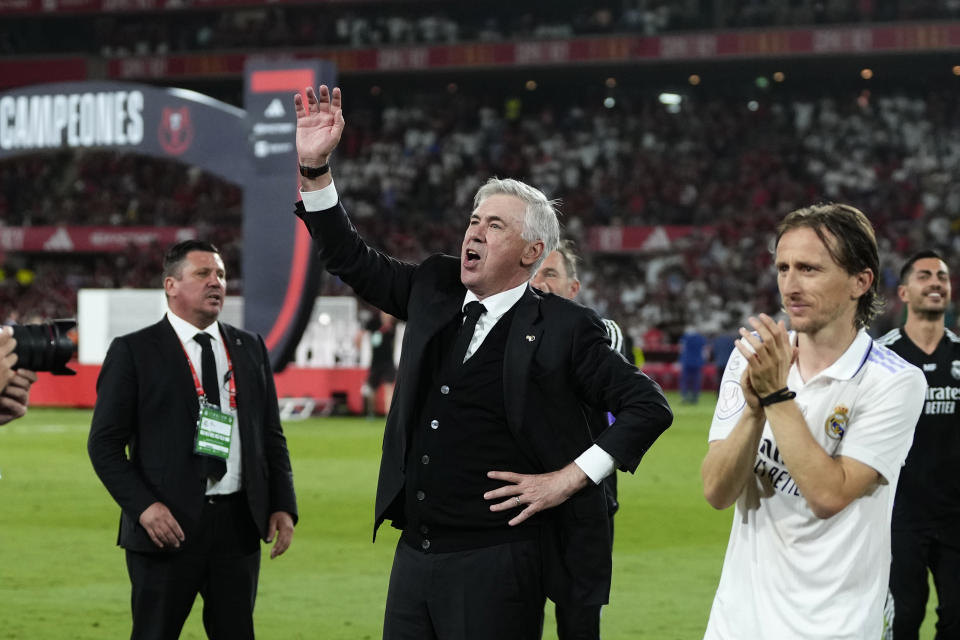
(21, 72)
(89, 239)
(33, 7)
(640, 239)
(742, 44)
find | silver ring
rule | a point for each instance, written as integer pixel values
(518, 499)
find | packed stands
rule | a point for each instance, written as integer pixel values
(727, 158)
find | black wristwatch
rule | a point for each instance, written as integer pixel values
(314, 172)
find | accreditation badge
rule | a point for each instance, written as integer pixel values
(214, 431)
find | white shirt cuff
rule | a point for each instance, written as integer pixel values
(325, 198)
(596, 463)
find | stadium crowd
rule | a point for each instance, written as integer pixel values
(393, 23)
(409, 164)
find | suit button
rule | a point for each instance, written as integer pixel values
(424, 529)
(425, 459)
(421, 496)
(444, 389)
(425, 544)
(434, 424)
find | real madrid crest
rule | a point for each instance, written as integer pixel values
(955, 369)
(836, 424)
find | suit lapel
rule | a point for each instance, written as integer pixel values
(522, 342)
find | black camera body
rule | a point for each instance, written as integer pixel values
(45, 346)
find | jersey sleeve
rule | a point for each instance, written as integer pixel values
(730, 399)
(881, 428)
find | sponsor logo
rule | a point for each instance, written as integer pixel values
(176, 130)
(274, 109)
(930, 366)
(836, 424)
(59, 241)
(955, 369)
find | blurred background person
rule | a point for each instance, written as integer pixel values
(926, 512)
(693, 346)
(381, 333)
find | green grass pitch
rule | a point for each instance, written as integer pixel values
(61, 575)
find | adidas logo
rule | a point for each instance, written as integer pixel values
(275, 109)
(59, 241)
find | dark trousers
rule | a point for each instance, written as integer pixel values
(691, 379)
(913, 552)
(583, 622)
(479, 594)
(221, 562)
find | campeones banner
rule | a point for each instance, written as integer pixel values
(252, 148)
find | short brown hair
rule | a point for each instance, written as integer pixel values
(854, 246)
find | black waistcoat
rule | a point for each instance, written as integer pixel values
(460, 435)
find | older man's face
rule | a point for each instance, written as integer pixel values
(494, 256)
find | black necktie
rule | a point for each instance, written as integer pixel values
(215, 467)
(209, 367)
(472, 313)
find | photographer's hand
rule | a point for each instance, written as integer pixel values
(8, 359)
(16, 395)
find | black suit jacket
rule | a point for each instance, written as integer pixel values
(557, 359)
(147, 401)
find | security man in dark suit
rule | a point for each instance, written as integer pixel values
(186, 437)
(488, 464)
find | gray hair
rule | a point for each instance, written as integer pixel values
(540, 217)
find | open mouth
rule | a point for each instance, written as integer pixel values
(471, 256)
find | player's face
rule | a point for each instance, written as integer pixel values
(494, 256)
(817, 293)
(552, 277)
(927, 289)
(197, 295)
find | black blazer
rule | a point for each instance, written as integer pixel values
(557, 359)
(146, 400)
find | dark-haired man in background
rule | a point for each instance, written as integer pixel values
(207, 474)
(926, 512)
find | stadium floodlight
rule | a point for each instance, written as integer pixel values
(753, 105)
(670, 98)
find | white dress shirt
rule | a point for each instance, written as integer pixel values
(595, 462)
(231, 480)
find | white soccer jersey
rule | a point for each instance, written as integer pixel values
(787, 573)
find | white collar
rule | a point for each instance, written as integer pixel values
(186, 331)
(848, 364)
(499, 303)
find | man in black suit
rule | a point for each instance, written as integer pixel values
(488, 464)
(558, 275)
(186, 437)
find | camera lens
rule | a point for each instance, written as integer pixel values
(45, 346)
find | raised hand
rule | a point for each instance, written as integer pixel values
(319, 125)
